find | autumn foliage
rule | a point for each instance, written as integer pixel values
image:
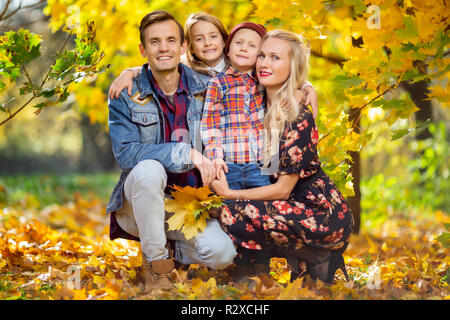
(64, 252)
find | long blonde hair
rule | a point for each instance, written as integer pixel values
(283, 107)
(191, 59)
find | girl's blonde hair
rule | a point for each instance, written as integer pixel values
(283, 106)
(191, 59)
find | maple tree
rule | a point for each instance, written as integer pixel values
(19, 49)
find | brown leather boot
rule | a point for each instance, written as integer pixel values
(156, 274)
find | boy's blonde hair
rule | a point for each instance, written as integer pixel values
(284, 107)
(191, 59)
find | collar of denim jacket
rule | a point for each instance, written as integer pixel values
(194, 83)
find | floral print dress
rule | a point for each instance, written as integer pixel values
(316, 214)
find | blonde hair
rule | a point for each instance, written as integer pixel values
(191, 59)
(283, 107)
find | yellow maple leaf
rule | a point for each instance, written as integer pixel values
(190, 209)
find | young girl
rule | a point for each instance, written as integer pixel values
(206, 37)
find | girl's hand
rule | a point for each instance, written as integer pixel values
(311, 99)
(125, 80)
(220, 185)
(299, 96)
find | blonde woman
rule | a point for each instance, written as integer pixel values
(302, 216)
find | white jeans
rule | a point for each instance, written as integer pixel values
(143, 216)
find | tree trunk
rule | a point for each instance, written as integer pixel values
(418, 91)
(96, 155)
(355, 169)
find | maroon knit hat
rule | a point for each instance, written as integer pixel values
(258, 28)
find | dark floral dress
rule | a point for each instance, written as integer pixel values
(316, 214)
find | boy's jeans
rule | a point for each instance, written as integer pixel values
(245, 176)
(143, 216)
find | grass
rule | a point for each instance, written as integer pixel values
(41, 190)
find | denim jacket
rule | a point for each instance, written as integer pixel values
(137, 132)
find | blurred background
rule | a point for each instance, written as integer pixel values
(44, 159)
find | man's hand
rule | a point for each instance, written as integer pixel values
(204, 165)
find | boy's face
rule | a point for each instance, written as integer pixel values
(163, 46)
(244, 49)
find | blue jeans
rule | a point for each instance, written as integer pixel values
(245, 176)
(143, 216)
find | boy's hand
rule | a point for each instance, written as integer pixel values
(219, 164)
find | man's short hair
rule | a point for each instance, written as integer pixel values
(154, 17)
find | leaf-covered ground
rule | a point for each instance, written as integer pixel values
(63, 252)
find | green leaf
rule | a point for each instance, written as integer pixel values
(46, 93)
(345, 82)
(276, 22)
(408, 47)
(444, 239)
(358, 5)
(410, 30)
(403, 132)
(400, 133)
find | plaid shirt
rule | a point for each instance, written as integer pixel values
(176, 128)
(233, 115)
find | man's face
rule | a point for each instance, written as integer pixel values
(162, 46)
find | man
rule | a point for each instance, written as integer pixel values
(153, 132)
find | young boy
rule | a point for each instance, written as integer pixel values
(233, 115)
(232, 122)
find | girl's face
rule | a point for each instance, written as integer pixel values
(207, 42)
(273, 62)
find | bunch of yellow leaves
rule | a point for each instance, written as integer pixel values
(191, 209)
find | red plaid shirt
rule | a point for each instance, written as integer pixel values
(233, 116)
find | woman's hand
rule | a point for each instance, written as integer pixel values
(125, 80)
(220, 185)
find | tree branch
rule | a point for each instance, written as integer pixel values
(11, 115)
(5, 15)
(333, 59)
(5, 9)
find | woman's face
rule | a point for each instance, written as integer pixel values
(272, 65)
(207, 42)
